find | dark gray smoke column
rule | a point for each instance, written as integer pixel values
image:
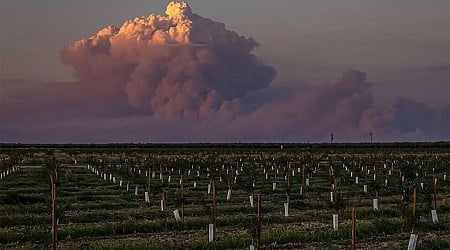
(174, 65)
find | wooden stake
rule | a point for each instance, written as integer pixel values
(414, 204)
(56, 173)
(148, 184)
(289, 187)
(258, 232)
(275, 173)
(334, 187)
(414, 211)
(353, 229)
(182, 198)
(214, 207)
(259, 207)
(434, 192)
(289, 178)
(54, 216)
(303, 176)
(163, 198)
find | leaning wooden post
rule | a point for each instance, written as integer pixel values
(54, 219)
(353, 229)
(214, 209)
(258, 232)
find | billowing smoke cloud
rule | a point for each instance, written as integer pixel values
(341, 108)
(182, 77)
(346, 109)
(174, 65)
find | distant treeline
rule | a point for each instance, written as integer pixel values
(237, 145)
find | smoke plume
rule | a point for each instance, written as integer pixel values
(174, 65)
(180, 77)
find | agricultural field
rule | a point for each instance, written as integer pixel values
(322, 197)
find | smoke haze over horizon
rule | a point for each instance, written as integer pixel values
(181, 77)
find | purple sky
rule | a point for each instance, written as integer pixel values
(294, 71)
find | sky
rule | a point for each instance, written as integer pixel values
(275, 71)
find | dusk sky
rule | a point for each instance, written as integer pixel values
(274, 71)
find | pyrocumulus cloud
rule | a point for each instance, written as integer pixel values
(174, 65)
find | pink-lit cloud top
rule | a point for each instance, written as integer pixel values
(175, 65)
(182, 77)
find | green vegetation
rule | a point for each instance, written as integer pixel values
(95, 212)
